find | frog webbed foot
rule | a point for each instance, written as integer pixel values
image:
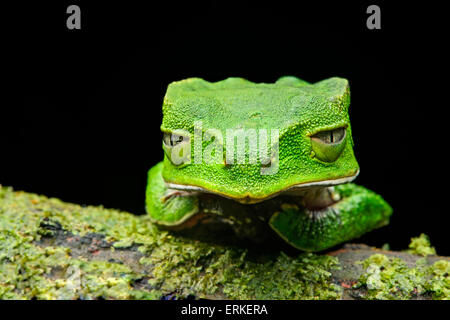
(354, 211)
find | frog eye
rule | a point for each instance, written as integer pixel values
(328, 145)
(177, 147)
(171, 139)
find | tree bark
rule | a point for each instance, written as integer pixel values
(55, 250)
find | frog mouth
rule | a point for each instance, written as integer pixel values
(302, 189)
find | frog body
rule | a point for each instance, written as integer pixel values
(258, 155)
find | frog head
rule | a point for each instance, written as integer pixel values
(252, 141)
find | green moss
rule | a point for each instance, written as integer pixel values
(391, 278)
(421, 246)
(307, 277)
(30, 271)
(168, 264)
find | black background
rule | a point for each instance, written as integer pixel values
(81, 109)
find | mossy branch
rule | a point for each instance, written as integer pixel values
(55, 250)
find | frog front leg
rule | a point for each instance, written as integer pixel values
(358, 211)
(201, 216)
(168, 207)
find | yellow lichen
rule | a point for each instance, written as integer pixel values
(421, 246)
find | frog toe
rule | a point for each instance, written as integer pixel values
(358, 211)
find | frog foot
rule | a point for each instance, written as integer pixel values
(328, 217)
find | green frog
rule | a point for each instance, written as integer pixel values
(262, 160)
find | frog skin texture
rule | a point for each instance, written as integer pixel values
(305, 196)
